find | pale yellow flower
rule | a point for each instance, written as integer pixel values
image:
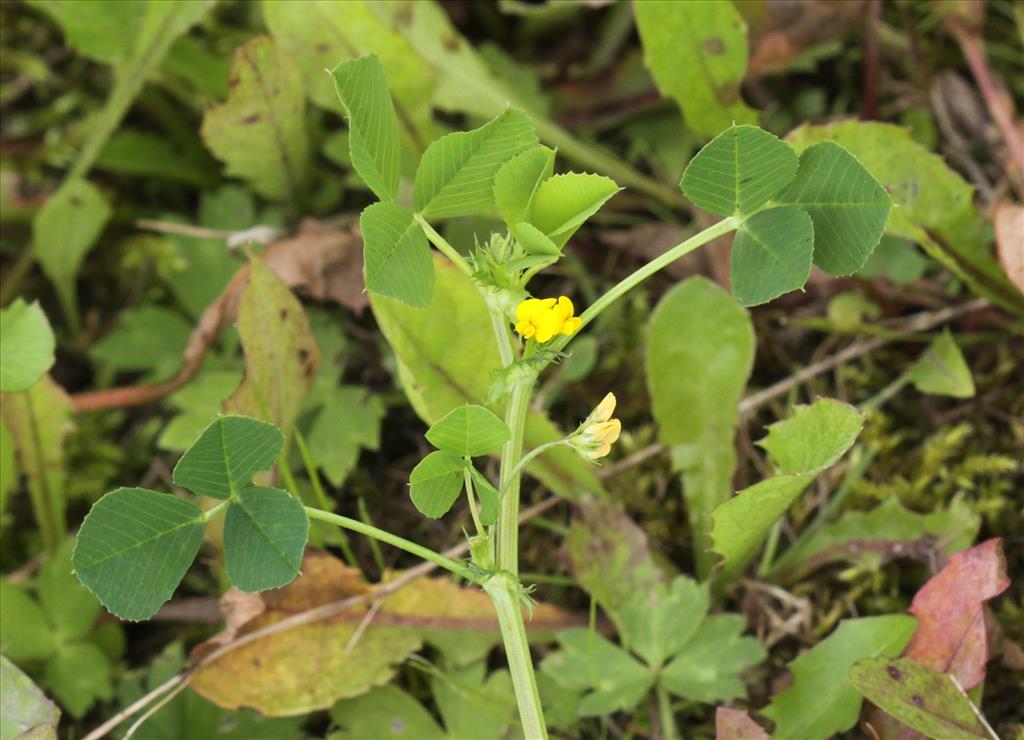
(598, 432)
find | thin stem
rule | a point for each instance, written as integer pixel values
(394, 540)
(364, 515)
(472, 499)
(518, 469)
(504, 592)
(321, 495)
(502, 336)
(215, 510)
(669, 731)
(441, 243)
(508, 518)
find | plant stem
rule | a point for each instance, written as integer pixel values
(642, 273)
(669, 731)
(321, 495)
(508, 518)
(441, 243)
(504, 592)
(394, 540)
(502, 337)
(215, 510)
(518, 469)
(472, 500)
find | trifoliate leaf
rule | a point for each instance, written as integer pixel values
(708, 669)
(771, 255)
(564, 202)
(436, 482)
(396, 253)
(227, 455)
(469, 430)
(518, 180)
(265, 533)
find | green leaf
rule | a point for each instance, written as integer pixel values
(146, 338)
(152, 156)
(469, 431)
(848, 205)
(564, 202)
(821, 702)
(535, 241)
(104, 30)
(373, 142)
(697, 54)
(518, 180)
(438, 375)
(384, 712)
(260, 131)
(134, 548)
(942, 370)
(739, 171)
(348, 422)
(895, 259)
(25, 632)
(396, 253)
(265, 533)
(700, 351)
(474, 704)
(456, 173)
(25, 712)
(227, 455)
(936, 205)
(925, 701)
(490, 499)
(281, 352)
(771, 255)
(814, 438)
(63, 232)
(436, 483)
(198, 406)
(803, 446)
(588, 660)
(26, 346)
(71, 609)
(708, 669)
(80, 674)
(657, 627)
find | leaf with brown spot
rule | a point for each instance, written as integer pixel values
(281, 354)
(736, 724)
(951, 635)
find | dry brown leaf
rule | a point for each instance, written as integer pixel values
(782, 31)
(736, 724)
(1008, 220)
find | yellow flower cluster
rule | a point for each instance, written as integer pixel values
(545, 318)
(597, 434)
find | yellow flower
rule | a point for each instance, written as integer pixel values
(545, 318)
(598, 432)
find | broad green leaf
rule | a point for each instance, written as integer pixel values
(821, 702)
(439, 375)
(803, 446)
(26, 346)
(955, 528)
(739, 171)
(25, 712)
(588, 660)
(145, 155)
(385, 712)
(771, 255)
(147, 338)
(469, 431)
(39, 420)
(848, 206)
(896, 259)
(348, 422)
(564, 202)
(70, 608)
(396, 253)
(436, 483)
(373, 142)
(63, 232)
(700, 350)
(490, 499)
(518, 180)
(456, 173)
(227, 455)
(104, 30)
(814, 438)
(260, 131)
(281, 353)
(659, 626)
(708, 669)
(921, 699)
(697, 54)
(942, 370)
(25, 633)
(474, 704)
(134, 548)
(935, 204)
(265, 533)
(198, 406)
(80, 674)
(320, 33)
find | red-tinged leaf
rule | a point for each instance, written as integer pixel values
(951, 635)
(735, 724)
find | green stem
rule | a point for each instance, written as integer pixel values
(669, 731)
(508, 518)
(502, 336)
(321, 495)
(441, 243)
(504, 592)
(518, 469)
(472, 499)
(394, 540)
